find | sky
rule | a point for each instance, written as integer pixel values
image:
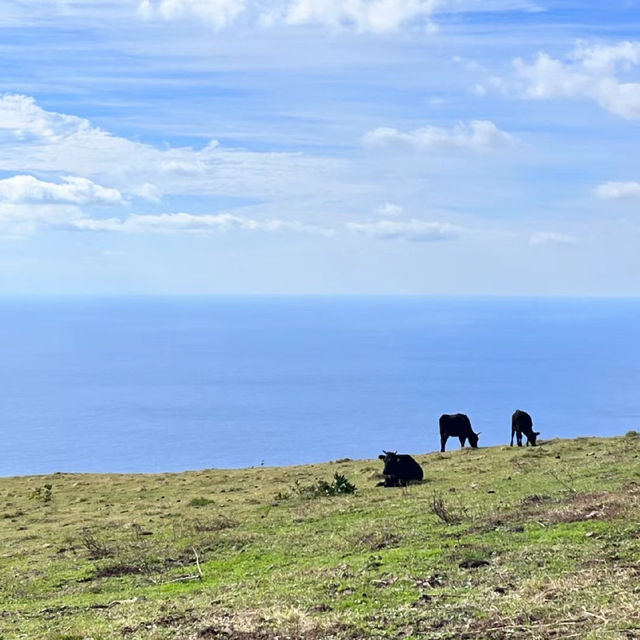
(432, 147)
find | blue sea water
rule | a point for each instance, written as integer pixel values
(168, 384)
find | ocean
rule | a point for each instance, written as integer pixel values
(176, 383)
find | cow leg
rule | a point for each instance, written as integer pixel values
(443, 441)
(519, 438)
(462, 439)
(512, 434)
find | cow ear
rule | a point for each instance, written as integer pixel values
(537, 433)
(381, 457)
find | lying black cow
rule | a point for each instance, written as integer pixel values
(399, 469)
(521, 422)
(457, 425)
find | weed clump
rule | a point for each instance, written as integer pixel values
(322, 488)
(96, 546)
(42, 494)
(440, 508)
(200, 502)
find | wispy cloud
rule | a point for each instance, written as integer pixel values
(416, 230)
(34, 140)
(361, 15)
(31, 218)
(72, 190)
(390, 209)
(615, 190)
(22, 219)
(218, 13)
(374, 16)
(551, 237)
(478, 135)
(189, 223)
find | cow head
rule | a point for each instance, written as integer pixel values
(390, 458)
(473, 439)
(532, 438)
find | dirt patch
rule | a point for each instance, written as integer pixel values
(223, 632)
(243, 625)
(535, 499)
(577, 507)
(116, 571)
(593, 506)
(165, 622)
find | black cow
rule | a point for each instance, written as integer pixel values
(457, 425)
(521, 422)
(399, 469)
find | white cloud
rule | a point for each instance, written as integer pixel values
(374, 16)
(589, 71)
(550, 237)
(189, 223)
(149, 192)
(73, 190)
(31, 218)
(607, 58)
(218, 13)
(390, 209)
(416, 230)
(28, 218)
(479, 135)
(33, 140)
(613, 190)
(363, 15)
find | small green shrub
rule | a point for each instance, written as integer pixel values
(339, 486)
(200, 502)
(43, 493)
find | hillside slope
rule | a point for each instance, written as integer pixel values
(497, 543)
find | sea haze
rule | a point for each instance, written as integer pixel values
(167, 384)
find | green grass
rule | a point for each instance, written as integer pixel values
(499, 543)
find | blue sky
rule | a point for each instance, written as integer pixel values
(319, 146)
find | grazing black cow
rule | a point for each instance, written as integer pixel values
(521, 422)
(399, 469)
(457, 425)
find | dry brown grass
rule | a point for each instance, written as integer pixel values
(596, 506)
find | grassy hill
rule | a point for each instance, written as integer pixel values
(497, 543)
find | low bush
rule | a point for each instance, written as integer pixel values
(43, 493)
(322, 488)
